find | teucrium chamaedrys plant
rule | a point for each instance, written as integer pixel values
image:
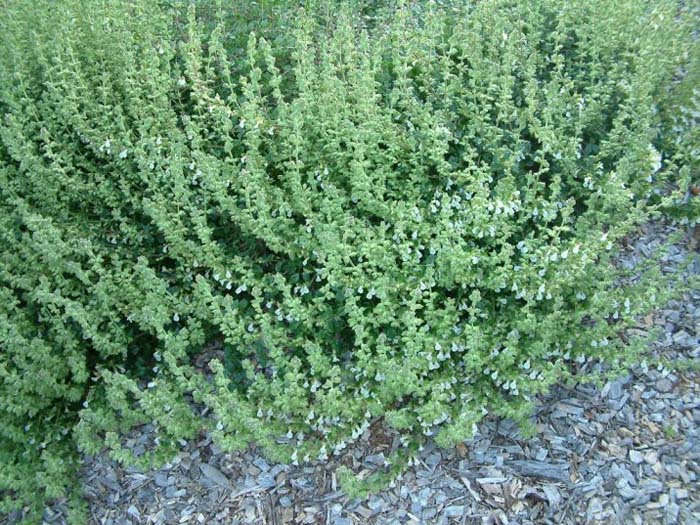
(680, 107)
(409, 217)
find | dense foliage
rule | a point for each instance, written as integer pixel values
(680, 136)
(408, 215)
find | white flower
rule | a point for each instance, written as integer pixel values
(655, 158)
(123, 153)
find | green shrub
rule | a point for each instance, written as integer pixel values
(680, 136)
(410, 215)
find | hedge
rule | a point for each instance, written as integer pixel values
(395, 211)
